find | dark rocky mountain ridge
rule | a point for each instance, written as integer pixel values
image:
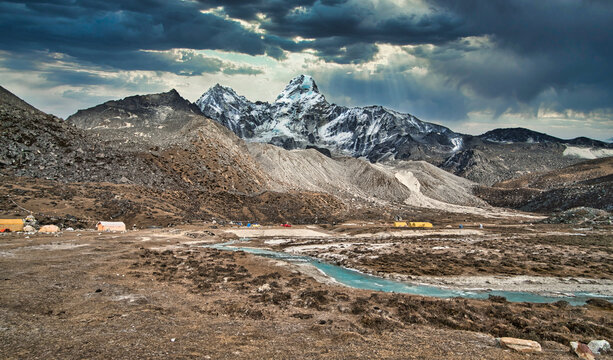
(523, 135)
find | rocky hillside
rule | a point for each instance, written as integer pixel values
(155, 159)
(435, 183)
(487, 162)
(33, 143)
(585, 184)
(154, 118)
(363, 184)
(170, 133)
(204, 172)
(265, 167)
(202, 154)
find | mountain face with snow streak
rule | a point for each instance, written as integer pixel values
(153, 116)
(300, 117)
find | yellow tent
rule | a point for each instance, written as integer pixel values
(420, 224)
(11, 224)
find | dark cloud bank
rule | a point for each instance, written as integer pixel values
(557, 54)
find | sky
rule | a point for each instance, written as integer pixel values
(471, 65)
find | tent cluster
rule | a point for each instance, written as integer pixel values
(30, 225)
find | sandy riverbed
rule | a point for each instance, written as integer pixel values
(542, 285)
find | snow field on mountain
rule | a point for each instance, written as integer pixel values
(587, 153)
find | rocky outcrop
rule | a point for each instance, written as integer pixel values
(582, 350)
(520, 345)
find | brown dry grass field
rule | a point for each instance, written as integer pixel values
(159, 294)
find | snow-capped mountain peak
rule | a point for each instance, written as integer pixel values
(300, 87)
(232, 110)
(220, 93)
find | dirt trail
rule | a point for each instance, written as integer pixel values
(294, 233)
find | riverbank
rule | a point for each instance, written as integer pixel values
(469, 255)
(444, 287)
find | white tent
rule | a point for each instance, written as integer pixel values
(111, 226)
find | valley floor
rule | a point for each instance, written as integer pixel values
(160, 294)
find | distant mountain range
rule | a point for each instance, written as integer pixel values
(152, 159)
(522, 135)
(300, 117)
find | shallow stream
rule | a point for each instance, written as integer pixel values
(356, 279)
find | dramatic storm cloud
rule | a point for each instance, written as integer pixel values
(472, 65)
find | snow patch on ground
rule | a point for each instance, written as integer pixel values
(253, 233)
(587, 153)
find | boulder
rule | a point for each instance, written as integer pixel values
(30, 220)
(264, 288)
(599, 346)
(49, 229)
(582, 351)
(29, 229)
(520, 345)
